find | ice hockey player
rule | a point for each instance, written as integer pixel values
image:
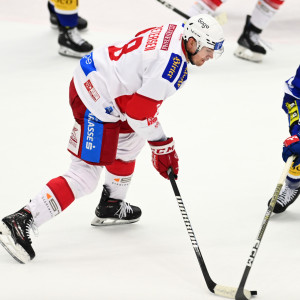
(64, 16)
(115, 95)
(249, 45)
(291, 146)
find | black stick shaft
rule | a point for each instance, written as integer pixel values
(179, 12)
(209, 282)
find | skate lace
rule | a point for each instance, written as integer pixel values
(75, 37)
(287, 196)
(256, 39)
(31, 225)
(124, 209)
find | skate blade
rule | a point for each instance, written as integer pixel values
(15, 250)
(247, 54)
(71, 53)
(110, 221)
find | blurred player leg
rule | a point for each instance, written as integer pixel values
(250, 47)
(70, 41)
(205, 7)
(81, 24)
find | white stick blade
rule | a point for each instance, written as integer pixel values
(229, 292)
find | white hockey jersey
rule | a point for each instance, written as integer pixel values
(152, 65)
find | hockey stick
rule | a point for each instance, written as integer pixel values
(221, 18)
(220, 290)
(168, 5)
(240, 294)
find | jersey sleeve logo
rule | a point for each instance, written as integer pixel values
(183, 77)
(173, 66)
(91, 90)
(168, 37)
(87, 64)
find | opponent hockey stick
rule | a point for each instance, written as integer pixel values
(240, 294)
(221, 18)
(220, 290)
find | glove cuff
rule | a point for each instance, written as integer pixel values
(162, 147)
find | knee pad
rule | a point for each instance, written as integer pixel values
(82, 177)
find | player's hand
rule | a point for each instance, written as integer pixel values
(291, 146)
(164, 156)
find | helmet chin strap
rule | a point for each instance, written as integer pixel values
(190, 54)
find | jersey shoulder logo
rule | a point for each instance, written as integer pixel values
(168, 37)
(172, 67)
(87, 64)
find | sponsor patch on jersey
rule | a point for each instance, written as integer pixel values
(151, 121)
(109, 109)
(168, 37)
(293, 112)
(172, 68)
(92, 138)
(183, 77)
(153, 38)
(74, 140)
(92, 91)
(87, 64)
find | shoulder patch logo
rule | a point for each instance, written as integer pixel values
(172, 68)
(183, 76)
(87, 64)
(168, 37)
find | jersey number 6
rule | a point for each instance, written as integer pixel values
(115, 53)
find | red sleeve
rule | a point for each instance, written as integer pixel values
(140, 107)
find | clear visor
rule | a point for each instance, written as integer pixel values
(217, 47)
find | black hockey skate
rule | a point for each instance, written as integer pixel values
(286, 197)
(71, 43)
(81, 25)
(115, 212)
(14, 235)
(249, 46)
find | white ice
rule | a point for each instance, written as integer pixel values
(228, 126)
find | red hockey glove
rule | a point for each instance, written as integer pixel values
(164, 156)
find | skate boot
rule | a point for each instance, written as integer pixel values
(81, 25)
(287, 196)
(14, 235)
(71, 43)
(249, 46)
(115, 212)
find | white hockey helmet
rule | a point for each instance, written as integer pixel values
(206, 30)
